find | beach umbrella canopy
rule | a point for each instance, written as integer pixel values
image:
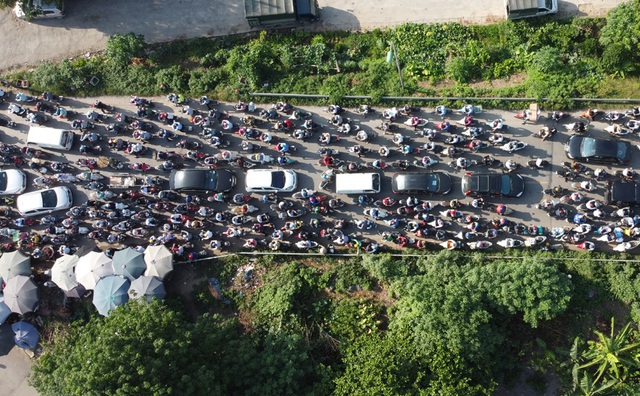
(76, 292)
(4, 310)
(26, 335)
(13, 264)
(129, 263)
(21, 294)
(159, 261)
(147, 287)
(110, 292)
(91, 267)
(62, 272)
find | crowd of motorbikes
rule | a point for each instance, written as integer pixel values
(199, 133)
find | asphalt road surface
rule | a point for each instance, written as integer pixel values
(309, 171)
(87, 25)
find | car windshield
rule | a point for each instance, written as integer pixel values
(505, 186)
(621, 152)
(210, 180)
(49, 199)
(277, 179)
(588, 147)
(3, 181)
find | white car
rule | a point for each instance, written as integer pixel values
(44, 201)
(12, 181)
(270, 180)
(39, 9)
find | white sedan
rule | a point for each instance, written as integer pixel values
(44, 201)
(269, 180)
(12, 181)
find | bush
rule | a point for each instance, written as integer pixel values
(121, 48)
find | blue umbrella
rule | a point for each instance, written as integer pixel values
(5, 311)
(110, 292)
(129, 263)
(26, 335)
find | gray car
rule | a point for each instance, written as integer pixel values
(202, 180)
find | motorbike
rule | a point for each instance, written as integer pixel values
(626, 246)
(557, 116)
(545, 133)
(22, 97)
(467, 121)
(49, 97)
(445, 126)
(617, 130)
(586, 245)
(260, 158)
(535, 241)
(103, 107)
(364, 110)
(510, 243)
(416, 122)
(586, 186)
(513, 146)
(473, 132)
(476, 145)
(246, 208)
(376, 213)
(327, 138)
(479, 245)
(497, 125)
(455, 139)
(306, 244)
(387, 127)
(576, 127)
(363, 136)
(537, 163)
(17, 110)
(614, 116)
(451, 244)
(634, 125)
(469, 109)
(462, 163)
(426, 162)
(498, 139)
(7, 123)
(633, 112)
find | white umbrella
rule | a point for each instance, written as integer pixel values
(92, 267)
(147, 287)
(21, 294)
(159, 261)
(13, 264)
(62, 273)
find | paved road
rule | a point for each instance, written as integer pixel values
(15, 366)
(88, 24)
(310, 173)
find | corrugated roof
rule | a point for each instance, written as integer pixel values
(258, 8)
(516, 5)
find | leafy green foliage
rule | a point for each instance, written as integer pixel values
(620, 37)
(609, 365)
(352, 319)
(382, 365)
(150, 349)
(279, 305)
(121, 48)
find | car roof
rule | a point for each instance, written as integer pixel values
(625, 192)
(432, 182)
(188, 178)
(260, 177)
(33, 200)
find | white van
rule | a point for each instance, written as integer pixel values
(39, 9)
(357, 183)
(50, 138)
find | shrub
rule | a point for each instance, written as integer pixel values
(121, 48)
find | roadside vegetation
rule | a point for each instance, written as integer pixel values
(447, 324)
(559, 59)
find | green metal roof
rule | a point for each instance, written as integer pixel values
(261, 8)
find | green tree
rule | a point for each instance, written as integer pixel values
(620, 37)
(382, 365)
(609, 365)
(121, 48)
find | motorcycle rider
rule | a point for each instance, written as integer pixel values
(510, 165)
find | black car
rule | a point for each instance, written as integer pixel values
(493, 184)
(201, 180)
(421, 183)
(622, 193)
(590, 149)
